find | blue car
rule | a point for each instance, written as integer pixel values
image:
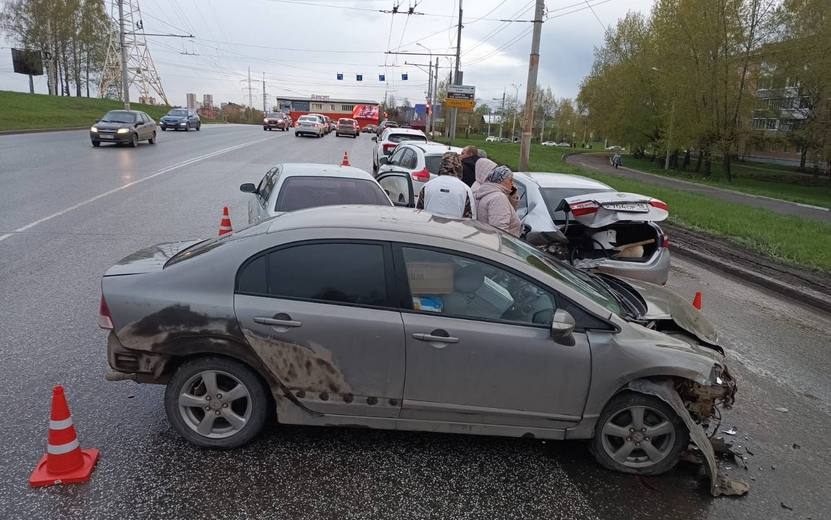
(181, 119)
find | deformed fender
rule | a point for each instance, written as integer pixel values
(664, 390)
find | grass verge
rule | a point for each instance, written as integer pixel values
(802, 242)
(33, 111)
(755, 179)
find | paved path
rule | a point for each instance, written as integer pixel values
(601, 163)
(49, 294)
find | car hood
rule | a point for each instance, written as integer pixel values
(112, 126)
(663, 304)
(149, 259)
(174, 118)
(596, 210)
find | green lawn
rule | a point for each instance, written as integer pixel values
(790, 239)
(757, 179)
(31, 111)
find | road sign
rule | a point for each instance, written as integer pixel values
(461, 92)
(461, 104)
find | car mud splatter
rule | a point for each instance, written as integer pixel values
(171, 323)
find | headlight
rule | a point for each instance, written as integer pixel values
(93, 129)
(183, 123)
(123, 130)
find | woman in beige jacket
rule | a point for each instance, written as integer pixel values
(493, 203)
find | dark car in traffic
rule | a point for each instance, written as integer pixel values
(181, 119)
(347, 126)
(123, 127)
(277, 120)
(384, 125)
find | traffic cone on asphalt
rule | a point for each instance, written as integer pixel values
(697, 300)
(225, 223)
(345, 161)
(65, 462)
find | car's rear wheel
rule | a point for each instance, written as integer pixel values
(639, 434)
(152, 140)
(216, 402)
(134, 140)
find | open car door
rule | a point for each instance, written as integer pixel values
(597, 210)
(399, 186)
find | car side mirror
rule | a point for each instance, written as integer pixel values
(248, 187)
(375, 139)
(562, 325)
(383, 160)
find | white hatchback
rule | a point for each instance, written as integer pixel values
(389, 139)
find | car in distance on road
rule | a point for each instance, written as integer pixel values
(320, 316)
(549, 143)
(310, 124)
(294, 186)
(370, 129)
(389, 139)
(347, 126)
(418, 162)
(180, 119)
(123, 127)
(276, 120)
(493, 139)
(384, 125)
(593, 226)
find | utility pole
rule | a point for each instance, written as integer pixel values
(457, 80)
(533, 65)
(435, 96)
(265, 110)
(669, 137)
(429, 95)
(250, 97)
(125, 85)
(502, 117)
(516, 109)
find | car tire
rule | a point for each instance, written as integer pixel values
(194, 378)
(199, 127)
(134, 140)
(296, 134)
(152, 140)
(96, 143)
(164, 129)
(618, 429)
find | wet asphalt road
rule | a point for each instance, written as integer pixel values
(49, 291)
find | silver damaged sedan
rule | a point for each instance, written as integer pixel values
(394, 318)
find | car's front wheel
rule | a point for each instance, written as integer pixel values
(198, 126)
(134, 140)
(96, 143)
(152, 140)
(216, 402)
(164, 129)
(639, 434)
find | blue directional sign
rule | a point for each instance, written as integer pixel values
(359, 77)
(340, 76)
(404, 77)
(381, 77)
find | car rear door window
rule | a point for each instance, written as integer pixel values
(396, 157)
(310, 192)
(351, 273)
(433, 163)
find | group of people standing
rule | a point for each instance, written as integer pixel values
(469, 185)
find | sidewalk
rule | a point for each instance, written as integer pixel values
(601, 164)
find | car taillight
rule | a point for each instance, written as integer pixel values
(655, 203)
(388, 147)
(665, 241)
(584, 208)
(421, 176)
(105, 320)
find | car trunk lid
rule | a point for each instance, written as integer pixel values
(149, 259)
(596, 210)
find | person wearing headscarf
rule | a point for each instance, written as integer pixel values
(493, 203)
(446, 195)
(483, 168)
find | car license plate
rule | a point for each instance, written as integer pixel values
(106, 136)
(636, 207)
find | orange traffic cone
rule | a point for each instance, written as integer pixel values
(65, 462)
(345, 161)
(225, 223)
(697, 300)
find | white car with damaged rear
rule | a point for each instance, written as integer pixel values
(295, 186)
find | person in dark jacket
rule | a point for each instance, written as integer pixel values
(469, 155)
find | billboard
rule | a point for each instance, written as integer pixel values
(27, 62)
(365, 112)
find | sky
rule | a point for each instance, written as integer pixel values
(299, 46)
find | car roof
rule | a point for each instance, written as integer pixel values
(404, 131)
(323, 170)
(432, 147)
(393, 219)
(564, 180)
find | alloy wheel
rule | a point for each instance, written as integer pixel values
(638, 437)
(215, 404)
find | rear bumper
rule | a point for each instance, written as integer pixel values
(656, 270)
(140, 366)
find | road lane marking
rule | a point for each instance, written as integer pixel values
(133, 183)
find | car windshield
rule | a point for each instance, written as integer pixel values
(582, 282)
(118, 116)
(553, 197)
(311, 119)
(345, 121)
(178, 113)
(275, 114)
(397, 138)
(310, 192)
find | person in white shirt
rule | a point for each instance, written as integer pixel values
(446, 195)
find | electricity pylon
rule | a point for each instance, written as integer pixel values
(141, 71)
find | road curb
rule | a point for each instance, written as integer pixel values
(40, 130)
(819, 299)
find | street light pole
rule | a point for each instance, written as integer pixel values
(427, 124)
(124, 85)
(533, 66)
(456, 79)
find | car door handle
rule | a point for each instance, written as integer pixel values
(433, 338)
(265, 320)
